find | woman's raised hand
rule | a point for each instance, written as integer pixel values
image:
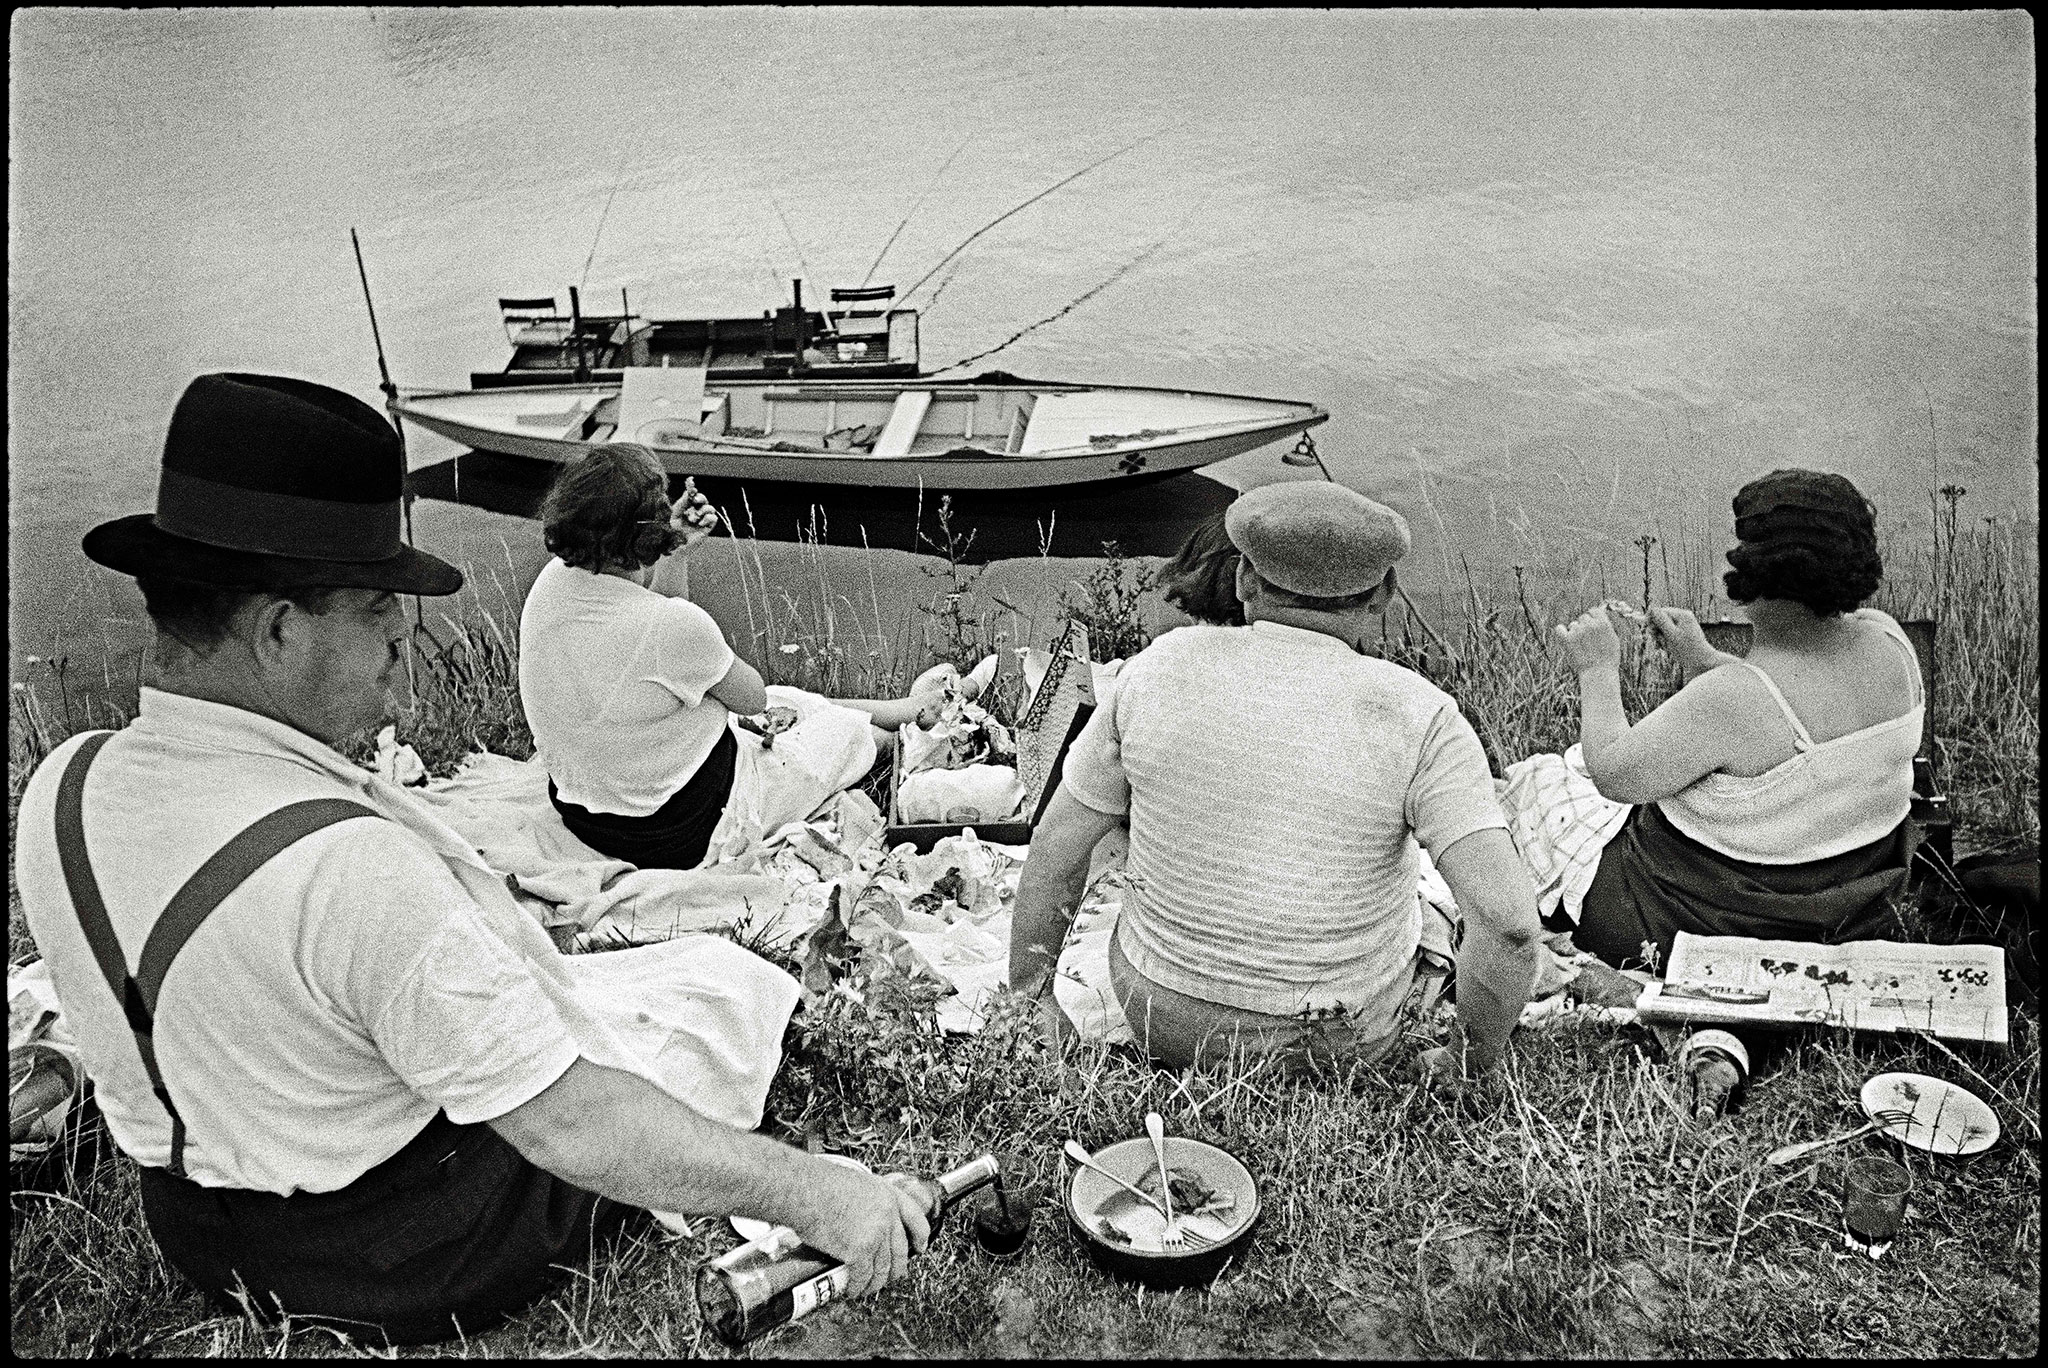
(1687, 644)
(692, 515)
(1589, 640)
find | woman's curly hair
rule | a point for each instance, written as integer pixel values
(1201, 578)
(609, 509)
(1807, 537)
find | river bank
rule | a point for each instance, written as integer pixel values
(862, 621)
(1568, 1211)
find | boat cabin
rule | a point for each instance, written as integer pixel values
(861, 335)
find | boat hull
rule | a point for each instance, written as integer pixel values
(962, 468)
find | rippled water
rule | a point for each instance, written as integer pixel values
(1561, 279)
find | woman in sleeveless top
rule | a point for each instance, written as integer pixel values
(1771, 792)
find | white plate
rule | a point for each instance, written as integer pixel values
(1946, 1119)
(747, 1228)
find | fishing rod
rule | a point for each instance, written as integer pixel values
(1020, 208)
(824, 307)
(930, 186)
(1305, 454)
(932, 301)
(618, 180)
(1068, 308)
(391, 407)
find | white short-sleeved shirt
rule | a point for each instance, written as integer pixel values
(613, 679)
(1277, 783)
(331, 1004)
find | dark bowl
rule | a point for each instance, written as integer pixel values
(1132, 1160)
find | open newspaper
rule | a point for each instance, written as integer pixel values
(1956, 992)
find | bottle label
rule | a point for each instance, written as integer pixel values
(827, 1287)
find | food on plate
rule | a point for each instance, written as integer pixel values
(1191, 1195)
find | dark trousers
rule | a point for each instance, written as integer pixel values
(1655, 881)
(673, 836)
(455, 1230)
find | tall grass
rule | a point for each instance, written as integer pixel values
(1979, 579)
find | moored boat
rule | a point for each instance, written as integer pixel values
(993, 432)
(862, 334)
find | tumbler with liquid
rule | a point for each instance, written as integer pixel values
(1874, 1204)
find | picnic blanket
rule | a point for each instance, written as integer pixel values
(946, 914)
(695, 1006)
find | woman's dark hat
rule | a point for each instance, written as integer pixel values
(274, 483)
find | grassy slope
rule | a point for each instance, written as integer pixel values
(1569, 1210)
(1572, 1212)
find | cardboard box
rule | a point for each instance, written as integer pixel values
(925, 835)
(1059, 708)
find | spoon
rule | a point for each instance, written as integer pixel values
(1156, 1128)
(1085, 1160)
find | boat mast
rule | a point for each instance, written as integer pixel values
(576, 333)
(390, 407)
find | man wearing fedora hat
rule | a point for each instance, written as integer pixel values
(1277, 780)
(351, 1069)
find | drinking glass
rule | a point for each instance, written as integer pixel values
(1874, 1200)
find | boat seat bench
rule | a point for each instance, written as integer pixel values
(904, 420)
(647, 393)
(563, 423)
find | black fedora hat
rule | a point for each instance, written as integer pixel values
(275, 483)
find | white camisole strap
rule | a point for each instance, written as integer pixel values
(1802, 739)
(1897, 636)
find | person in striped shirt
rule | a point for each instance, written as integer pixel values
(1278, 781)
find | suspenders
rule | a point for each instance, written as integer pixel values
(242, 856)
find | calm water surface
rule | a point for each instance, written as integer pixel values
(1561, 279)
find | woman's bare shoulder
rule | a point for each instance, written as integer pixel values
(1732, 686)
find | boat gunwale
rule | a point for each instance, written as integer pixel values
(834, 386)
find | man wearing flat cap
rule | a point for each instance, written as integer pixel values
(350, 1067)
(1277, 780)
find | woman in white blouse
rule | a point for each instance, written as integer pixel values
(632, 693)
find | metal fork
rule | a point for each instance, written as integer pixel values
(1177, 1235)
(1882, 1120)
(1156, 1128)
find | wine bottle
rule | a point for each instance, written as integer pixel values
(1716, 1065)
(748, 1291)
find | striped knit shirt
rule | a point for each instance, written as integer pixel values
(1277, 783)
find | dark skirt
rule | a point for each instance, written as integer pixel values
(673, 836)
(1655, 881)
(456, 1230)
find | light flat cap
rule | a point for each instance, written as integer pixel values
(1315, 537)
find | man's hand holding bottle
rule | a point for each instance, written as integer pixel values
(869, 1223)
